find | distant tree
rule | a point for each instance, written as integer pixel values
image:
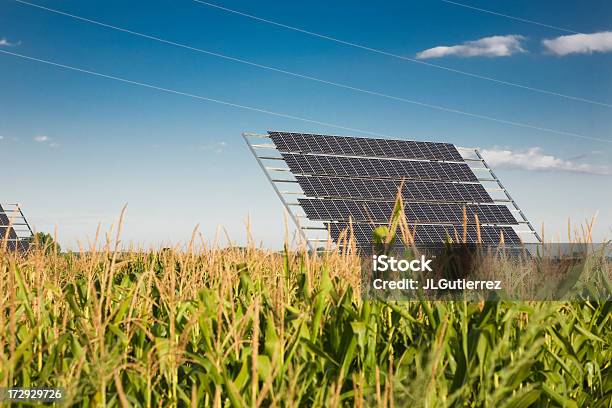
(45, 242)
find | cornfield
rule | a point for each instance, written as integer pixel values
(213, 326)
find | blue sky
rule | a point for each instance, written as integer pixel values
(75, 148)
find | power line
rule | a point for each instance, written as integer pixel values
(251, 108)
(523, 20)
(199, 97)
(405, 58)
(310, 78)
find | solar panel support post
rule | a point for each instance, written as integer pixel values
(27, 224)
(293, 216)
(511, 200)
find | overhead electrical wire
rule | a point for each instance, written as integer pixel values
(522, 20)
(227, 103)
(311, 78)
(190, 95)
(402, 57)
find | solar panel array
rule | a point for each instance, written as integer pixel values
(6, 231)
(8, 235)
(356, 180)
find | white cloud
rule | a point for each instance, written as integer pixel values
(495, 46)
(6, 43)
(1, 137)
(535, 160)
(215, 147)
(46, 140)
(580, 43)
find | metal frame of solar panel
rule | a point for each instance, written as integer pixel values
(355, 180)
(15, 230)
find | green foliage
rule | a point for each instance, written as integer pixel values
(45, 242)
(253, 328)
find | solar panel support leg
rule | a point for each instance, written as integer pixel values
(259, 135)
(277, 191)
(514, 204)
(26, 223)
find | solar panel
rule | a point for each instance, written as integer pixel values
(427, 234)
(366, 147)
(377, 168)
(355, 179)
(6, 231)
(380, 211)
(14, 228)
(381, 189)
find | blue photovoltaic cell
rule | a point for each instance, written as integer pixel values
(384, 189)
(380, 211)
(432, 234)
(378, 168)
(365, 147)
